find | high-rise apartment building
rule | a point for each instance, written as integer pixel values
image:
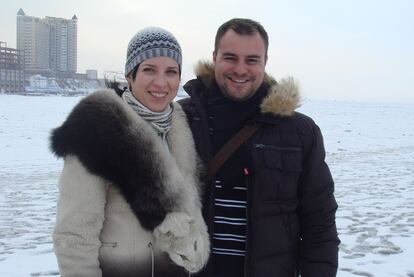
(62, 43)
(48, 44)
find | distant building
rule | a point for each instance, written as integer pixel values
(92, 74)
(63, 43)
(32, 38)
(11, 69)
(48, 44)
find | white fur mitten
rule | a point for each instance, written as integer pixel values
(184, 239)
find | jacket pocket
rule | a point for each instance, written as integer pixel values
(286, 158)
(109, 244)
(279, 169)
(291, 223)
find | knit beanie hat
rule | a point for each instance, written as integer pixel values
(149, 43)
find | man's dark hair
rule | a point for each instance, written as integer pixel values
(241, 26)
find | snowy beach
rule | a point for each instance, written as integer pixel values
(370, 150)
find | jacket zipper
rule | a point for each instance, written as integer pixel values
(274, 147)
(210, 216)
(248, 209)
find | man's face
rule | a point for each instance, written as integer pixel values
(239, 64)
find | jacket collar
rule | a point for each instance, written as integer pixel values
(282, 99)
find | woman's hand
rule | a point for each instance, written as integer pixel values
(184, 239)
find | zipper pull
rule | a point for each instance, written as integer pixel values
(259, 145)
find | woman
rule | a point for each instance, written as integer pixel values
(128, 203)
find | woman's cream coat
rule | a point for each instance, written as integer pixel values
(96, 232)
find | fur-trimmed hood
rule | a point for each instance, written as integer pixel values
(283, 97)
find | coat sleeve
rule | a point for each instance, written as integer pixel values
(79, 220)
(317, 208)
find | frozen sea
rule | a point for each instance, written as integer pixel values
(370, 150)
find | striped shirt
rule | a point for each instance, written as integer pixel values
(229, 236)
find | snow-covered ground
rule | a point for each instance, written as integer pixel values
(370, 150)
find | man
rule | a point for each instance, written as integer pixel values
(270, 208)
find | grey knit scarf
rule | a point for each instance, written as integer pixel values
(160, 121)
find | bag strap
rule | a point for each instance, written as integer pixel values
(231, 145)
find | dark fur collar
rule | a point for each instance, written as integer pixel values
(113, 142)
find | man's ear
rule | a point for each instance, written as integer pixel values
(214, 56)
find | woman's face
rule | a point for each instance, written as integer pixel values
(156, 82)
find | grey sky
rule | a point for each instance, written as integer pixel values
(356, 50)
